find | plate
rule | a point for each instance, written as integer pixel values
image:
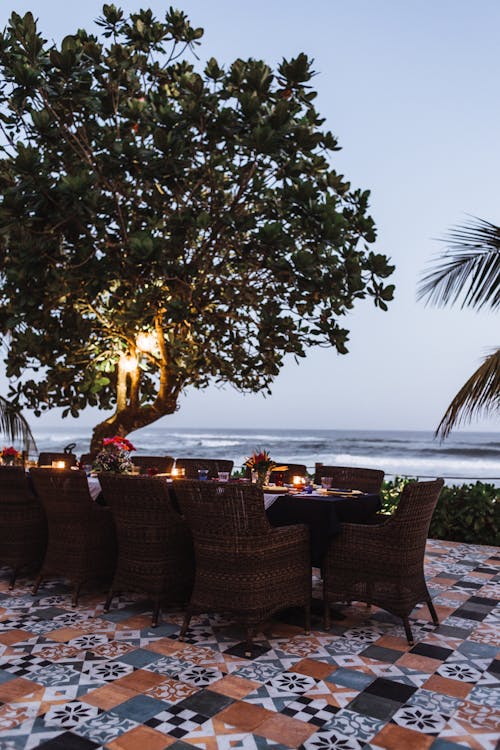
(275, 490)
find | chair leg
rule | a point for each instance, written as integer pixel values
(433, 612)
(12, 579)
(409, 634)
(307, 618)
(249, 642)
(185, 625)
(156, 614)
(76, 594)
(109, 599)
(37, 583)
(326, 615)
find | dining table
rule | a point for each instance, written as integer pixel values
(323, 512)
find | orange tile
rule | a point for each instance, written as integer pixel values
(141, 738)
(285, 730)
(443, 612)
(391, 641)
(108, 696)
(11, 691)
(234, 686)
(420, 663)
(245, 716)
(392, 737)
(165, 646)
(64, 634)
(139, 681)
(14, 636)
(448, 687)
(313, 668)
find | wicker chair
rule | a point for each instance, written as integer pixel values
(82, 543)
(243, 565)
(23, 526)
(45, 459)
(155, 550)
(214, 465)
(153, 464)
(384, 564)
(350, 477)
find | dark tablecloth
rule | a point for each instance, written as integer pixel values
(324, 516)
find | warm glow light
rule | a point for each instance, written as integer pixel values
(298, 481)
(146, 341)
(128, 363)
(178, 473)
(58, 464)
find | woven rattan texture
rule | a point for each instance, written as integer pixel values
(81, 543)
(243, 565)
(214, 465)
(350, 477)
(159, 464)
(155, 551)
(23, 526)
(383, 564)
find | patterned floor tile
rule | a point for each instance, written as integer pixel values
(76, 679)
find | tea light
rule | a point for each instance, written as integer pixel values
(58, 464)
(298, 481)
(178, 473)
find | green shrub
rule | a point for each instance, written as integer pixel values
(464, 513)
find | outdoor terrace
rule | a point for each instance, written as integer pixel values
(77, 679)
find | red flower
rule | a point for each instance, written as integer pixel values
(120, 442)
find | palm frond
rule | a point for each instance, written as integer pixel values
(469, 272)
(479, 396)
(14, 426)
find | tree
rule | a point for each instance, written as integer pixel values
(469, 273)
(164, 225)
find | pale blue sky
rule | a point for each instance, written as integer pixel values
(411, 91)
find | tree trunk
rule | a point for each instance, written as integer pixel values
(127, 420)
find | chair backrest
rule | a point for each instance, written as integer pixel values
(214, 465)
(222, 511)
(153, 464)
(139, 502)
(15, 486)
(414, 511)
(45, 459)
(64, 494)
(351, 477)
(292, 470)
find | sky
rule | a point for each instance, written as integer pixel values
(411, 92)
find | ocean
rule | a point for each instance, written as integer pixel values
(463, 457)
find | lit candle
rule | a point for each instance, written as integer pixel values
(58, 464)
(298, 481)
(177, 473)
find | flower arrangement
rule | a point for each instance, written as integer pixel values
(10, 455)
(114, 456)
(260, 462)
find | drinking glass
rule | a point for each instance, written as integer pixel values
(326, 483)
(223, 476)
(202, 474)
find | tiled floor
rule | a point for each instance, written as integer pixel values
(76, 679)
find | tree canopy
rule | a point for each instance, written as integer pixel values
(142, 193)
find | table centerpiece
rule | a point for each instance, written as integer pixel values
(114, 456)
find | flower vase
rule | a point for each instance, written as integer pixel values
(260, 478)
